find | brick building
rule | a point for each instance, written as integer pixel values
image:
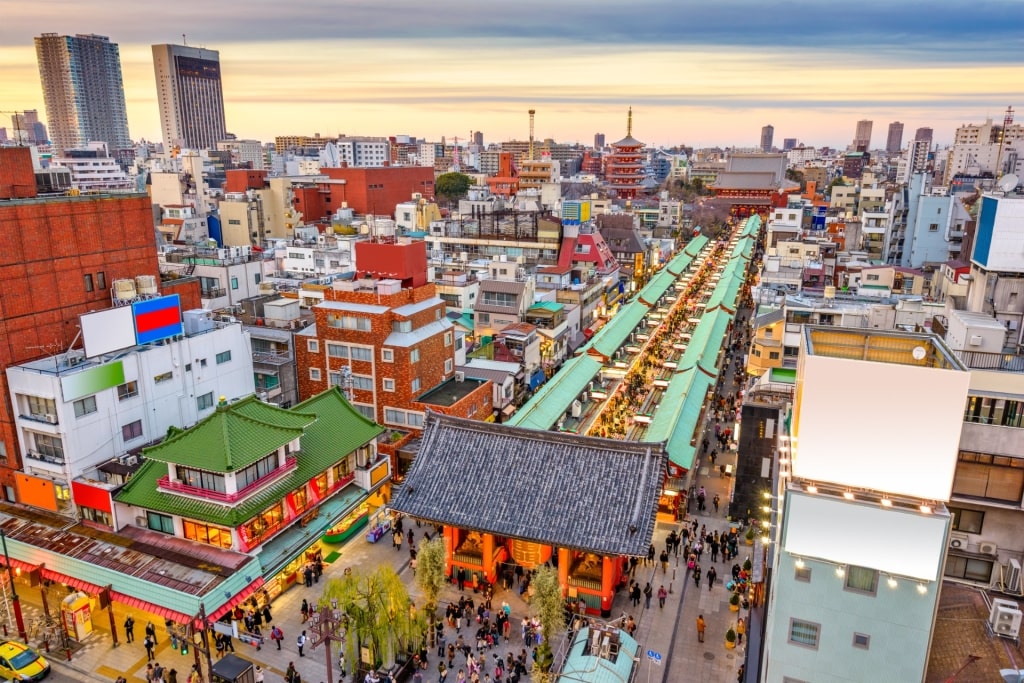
(387, 330)
(60, 259)
(364, 190)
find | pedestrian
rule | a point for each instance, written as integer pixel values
(129, 629)
(305, 610)
(307, 575)
(650, 555)
(258, 674)
(716, 501)
(662, 594)
(267, 616)
(741, 628)
(740, 673)
(172, 677)
(712, 577)
(634, 594)
(158, 672)
(300, 642)
(277, 635)
(148, 644)
(648, 594)
(696, 575)
(151, 631)
(700, 628)
(290, 674)
(664, 561)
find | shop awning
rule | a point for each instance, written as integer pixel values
(71, 581)
(237, 600)
(151, 608)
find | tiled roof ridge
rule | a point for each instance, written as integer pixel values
(563, 438)
(337, 393)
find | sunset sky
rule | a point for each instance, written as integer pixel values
(708, 73)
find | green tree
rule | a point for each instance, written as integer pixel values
(452, 186)
(549, 605)
(430, 574)
(380, 616)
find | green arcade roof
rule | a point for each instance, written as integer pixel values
(556, 395)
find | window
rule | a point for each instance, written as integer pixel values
(933, 227)
(39, 407)
(387, 355)
(505, 299)
(861, 579)
(234, 283)
(85, 406)
(340, 471)
(162, 523)
(992, 477)
(127, 390)
(360, 353)
(349, 322)
(448, 364)
(414, 356)
(415, 419)
(483, 318)
(201, 479)
(968, 521)
(256, 471)
(204, 533)
(313, 345)
(392, 416)
(50, 447)
(132, 430)
(415, 386)
(803, 574)
(202, 362)
(361, 382)
(205, 401)
(861, 640)
(188, 367)
(300, 501)
(101, 280)
(257, 278)
(447, 338)
(871, 277)
(254, 530)
(314, 374)
(804, 633)
(223, 357)
(389, 384)
(773, 355)
(996, 411)
(366, 411)
(88, 282)
(337, 350)
(971, 569)
(401, 326)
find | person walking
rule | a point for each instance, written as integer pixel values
(305, 610)
(148, 644)
(696, 575)
(700, 628)
(129, 629)
(662, 594)
(277, 635)
(712, 577)
(300, 642)
(664, 561)
(648, 594)
(290, 673)
(741, 628)
(151, 631)
(715, 501)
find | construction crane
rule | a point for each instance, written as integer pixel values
(16, 120)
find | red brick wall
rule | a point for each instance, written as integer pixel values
(377, 190)
(17, 178)
(310, 203)
(49, 246)
(405, 262)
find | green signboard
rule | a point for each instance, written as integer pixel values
(94, 380)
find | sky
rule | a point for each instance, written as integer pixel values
(695, 73)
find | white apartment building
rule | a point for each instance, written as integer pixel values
(94, 170)
(356, 151)
(74, 413)
(244, 151)
(861, 530)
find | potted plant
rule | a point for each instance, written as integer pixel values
(750, 536)
(730, 639)
(734, 602)
(746, 565)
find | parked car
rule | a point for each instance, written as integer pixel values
(21, 663)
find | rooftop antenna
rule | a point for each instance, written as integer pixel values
(1007, 122)
(183, 41)
(629, 123)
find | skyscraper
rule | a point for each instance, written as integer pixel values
(894, 141)
(924, 134)
(189, 95)
(767, 133)
(83, 91)
(862, 138)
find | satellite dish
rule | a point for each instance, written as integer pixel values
(918, 353)
(1009, 182)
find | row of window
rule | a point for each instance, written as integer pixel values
(857, 579)
(403, 417)
(990, 477)
(99, 283)
(808, 634)
(994, 411)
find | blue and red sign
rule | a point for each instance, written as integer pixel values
(157, 319)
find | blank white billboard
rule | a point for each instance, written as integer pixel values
(107, 331)
(881, 426)
(890, 540)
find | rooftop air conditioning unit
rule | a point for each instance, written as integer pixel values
(142, 520)
(975, 340)
(460, 376)
(988, 548)
(958, 541)
(1005, 618)
(51, 418)
(1013, 577)
(131, 460)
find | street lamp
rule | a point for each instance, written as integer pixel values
(14, 593)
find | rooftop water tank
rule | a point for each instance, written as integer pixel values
(146, 285)
(124, 290)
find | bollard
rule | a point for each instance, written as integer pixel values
(46, 645)
(670, 588)
(68, 652)
(5, 629)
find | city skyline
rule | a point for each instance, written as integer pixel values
(693, 75)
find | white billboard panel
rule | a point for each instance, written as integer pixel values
(882, 426)
(891, 540)
(107, 331)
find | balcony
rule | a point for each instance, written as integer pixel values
(215, 293)
(165, 484)
(52, 459)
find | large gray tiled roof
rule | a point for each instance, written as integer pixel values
(559, 489)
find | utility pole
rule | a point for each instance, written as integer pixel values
(18, 618)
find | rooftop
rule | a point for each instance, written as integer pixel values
(903, 348)
(451, 392)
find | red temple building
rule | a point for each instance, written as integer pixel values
(624, 169)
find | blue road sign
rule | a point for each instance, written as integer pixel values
(654, 656)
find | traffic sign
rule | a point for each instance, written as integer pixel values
(654, 656)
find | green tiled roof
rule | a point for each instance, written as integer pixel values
(677, 416)
(616, 331)
(233, 437)
(338, 429)
(557, 394)
(547, 306)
